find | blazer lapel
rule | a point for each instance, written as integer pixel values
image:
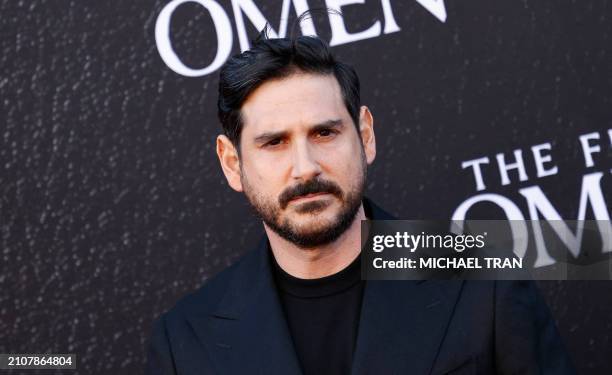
(402, 325)
(248, 333)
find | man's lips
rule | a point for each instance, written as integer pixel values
(308, 196)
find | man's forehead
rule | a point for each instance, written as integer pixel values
(301, 98)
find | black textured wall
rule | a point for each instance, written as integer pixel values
(112, 204)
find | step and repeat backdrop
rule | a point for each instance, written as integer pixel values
(112, 202)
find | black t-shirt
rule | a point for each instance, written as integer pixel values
(323, 317)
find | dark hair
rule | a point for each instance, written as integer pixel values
(278, 58)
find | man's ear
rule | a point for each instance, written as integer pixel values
(366, 131)
(230, 162)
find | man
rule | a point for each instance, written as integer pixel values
(297, 143)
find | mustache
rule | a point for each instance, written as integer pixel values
(309, 187)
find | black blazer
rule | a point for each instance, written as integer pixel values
(234, 324)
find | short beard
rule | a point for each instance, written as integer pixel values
(270, 213)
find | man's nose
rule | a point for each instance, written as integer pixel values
(305, 163)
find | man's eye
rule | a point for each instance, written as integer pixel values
(325, 132)
(274, 142)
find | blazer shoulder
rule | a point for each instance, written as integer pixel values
(173, 337)
(206, 298)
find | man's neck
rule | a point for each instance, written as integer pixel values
(320, 261)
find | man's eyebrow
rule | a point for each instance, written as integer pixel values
(327, 125)
(268, 136)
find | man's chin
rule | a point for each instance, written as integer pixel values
(313, 227)
(309, 237)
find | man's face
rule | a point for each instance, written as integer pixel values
(302, 162)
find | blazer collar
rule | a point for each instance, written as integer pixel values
(247, 333)
(402, 323)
